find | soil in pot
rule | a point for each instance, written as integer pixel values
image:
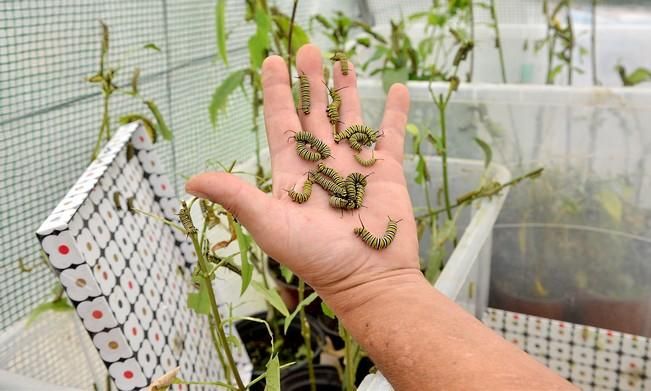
(297, 379)
(619, 300)
(289, 290)
(526, 301)
(255, 338)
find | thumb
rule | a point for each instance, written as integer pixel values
(248, 204)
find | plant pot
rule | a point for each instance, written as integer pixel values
(289, 290)
(550, 308)
(628, 315)
(255, 338)
(297, 379)
(330, 328)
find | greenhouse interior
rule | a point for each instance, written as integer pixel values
(300, 195)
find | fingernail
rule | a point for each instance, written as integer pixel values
(196, 193)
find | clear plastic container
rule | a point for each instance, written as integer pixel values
(576, 243)
(616, 44)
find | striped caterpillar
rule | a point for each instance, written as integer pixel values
(343, 61)
(366, 162)
(320, 149)
(301, 197)
(352, 130)
(304, 87)
(327, 184)
(331, 173)
(375, 242)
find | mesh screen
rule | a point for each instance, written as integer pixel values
(50, 116)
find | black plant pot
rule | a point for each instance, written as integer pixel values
(330, 328)
(255, 338)
(298, 379)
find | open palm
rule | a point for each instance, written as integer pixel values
(313, 239)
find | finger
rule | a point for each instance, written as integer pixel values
(249, 205)
(346, 85)
(279, 111)
(308, 62)
(396, 110)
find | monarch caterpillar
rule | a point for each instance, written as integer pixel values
(359, 129)
(331, 173)
(327, 184)
(304, 86)
(357, 141)
(359, 195)
(375, 242)
(359, 178)
(343, 60)
(186, 219)
(366, 162)
(301, 197)
(307, 154)
(321, 149)
(341, 203)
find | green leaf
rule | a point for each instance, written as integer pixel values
(555, 71)
(246, 266)
(327, 311)
(259, 42)
(152, 46)
(162, 126)
(59, 305)
(638, 76)
(221, 94)
(611, 202)
(146, 123)
(307, 301)
(272, 297)
(200, 301)
(272, 375)
(220, 29)
(285, 272)
(421, 171)
(488, 152)
(391, 76)
(413, 129)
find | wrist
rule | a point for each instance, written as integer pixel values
(366, 294)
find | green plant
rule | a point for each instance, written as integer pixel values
(340, 29)
(105, 78)
(275, 32)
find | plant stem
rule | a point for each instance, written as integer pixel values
(593, 43)
(444, 156)
(471, 12)
(220, 354)
(570, 56)
(498, 41)
(349, 375)
(203, 266)
(530, 175)
(289, 42)
(307, 339)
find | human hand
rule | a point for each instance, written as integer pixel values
(314, 240)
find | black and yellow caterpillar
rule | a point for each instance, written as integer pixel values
(317, 149)
(301, 197)
(375, 242)
(327, 184)
(366, 162)
(304, 87)
(343, 61)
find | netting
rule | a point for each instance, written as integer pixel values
(50, 115)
